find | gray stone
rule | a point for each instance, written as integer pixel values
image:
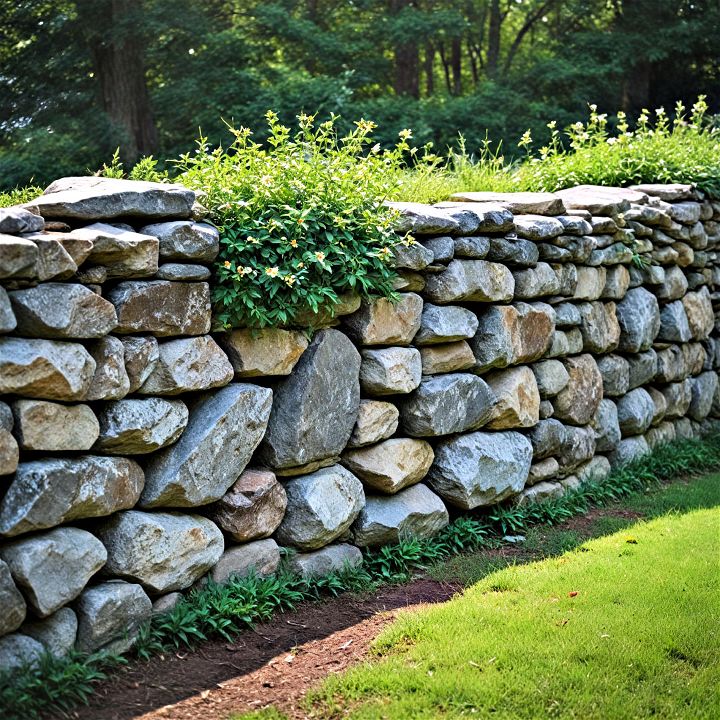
(259, 353)
(260, 558)
(18, 257)
(181, 272)
(7, 318)
(391, 465)
(51, 569)
(575, 225)
(675, 285)
(140, 426)
(660, 404)
(488, 216)
(578, 402)
(600, 200)
(321, 507)
(51, 491)
(15, 220)
(564, 343)
(542, 492)
(447, 404)
(684, 429)
(45, 369)
(617, 283)
(411, 255)
(615, 254)
(162, 551)
(18, 651)
(187, 365)
(546, 409)
(513, 251)
(54, 261)
(442, 248)
(141, 356)
(601, 225)
(551, 377)
(222, 433)
(56, 633)
(9, 453)
(330, 559)
(420, 219)
(643, 367)
(517, 399)
(615, 371)
(93, 198)
(635, 412)
(537, 227)
(110, 616)
(390, 370)
(447, 358)
(52, 427)
(414, 512)
(678, 397)
(606, 426)
(376, 421)
(471, 280)
(674, 326)
(537, 281)
(670, 364)
(547, 438)
(252, 508)
(639, 317)
(590, 283)
(162, 308)
(567, 315)
(185, 240)
(314, 410)
(543, 470)
(474, 248)
(480, 468)
(542, 203)
(629, 449)
(600, 328)
(578, 447)
(381, 322)
(596, 469)
(669, 192)
(11, 601)
(110, 381)
(703, 389)
(166, 603)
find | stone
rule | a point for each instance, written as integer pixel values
(140, 425)
(443, 324)
(614, 254)
(54, 261)
(564, 343)
(537, 227)
(447, 404)
(578, 402)
(670, 192)
(600, 328)
(617, 283)
(141, 355)
(330, 559)
(381, 322)
(596, 470)
(123, 253)
(188, 365)
(45, 369)
(166, 603)
(448, 358)
(314, 409)
(684, 429)
(600, 200)
(629, 449)
(551, 377)
(419, 219)
(635, 412)
(490, 217)
(537, 281)
(670, 364)
(185, 240)
(518, 203)
(260, 558)
(161, 308)
(678, 397)
(52, 427)
(471, 281)
(56, 633)
(663, 434)
(578, 447)
(642, 368)
(567, 315)
(390, 370)
(223, 431)
(442, 248)
(513, 251)
(474, 248)
(590, 283)
(16, 220)
(675, 285)
(414, 512)
(699, 311)
(162, 551)
(7, 318)
(266, 352)
(615, 371)
(18, 651)
(18, 257)
(110, 616)
(377, 420)
(674, 326)
(543, 470)
(480, 469)
(62, 310)
(411, 255)
(11, 601)
(542, 492)
(601, 225)
(660, 404)
(518, 399)
(252, 508)
(9, 453)
(606, 426)
(181, 272)
(321, 507)
(93, 198)
(547, 438)
(703, 389)
(347, 303)
(639, 317)
(408, 281)
(575, 225)
(51, 491)
(51, 569)
(546, 409)
(391, 465)
(110, 381)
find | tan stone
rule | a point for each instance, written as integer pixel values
(518, 399)
(258, 353)
(377, 420)
(579, 401)
(382, 322)
(446, 358)
(50, 426)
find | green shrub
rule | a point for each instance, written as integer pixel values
(19, 195)
(302, 219)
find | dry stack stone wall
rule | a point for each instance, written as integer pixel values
(539, 339)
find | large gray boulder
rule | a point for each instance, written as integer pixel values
(94, 198)
(45, 369)
(414, 512)
(381, 322)
(321, 507)
(480, 468)
(162, 551)
(222, 433)
(547, 437)
(51, 491)
(678, 397)
(390, 371)
(447, 404)
(17, 650)
(578, 402)
(261, 558)
(62, 310)
(7, 318)
(391, 465)
(471, 280)
(185, 240)
(420, 219)
(140, 425)
(110, 616)
(635, 412)
(56, 633)
(11, 601)
(333, 558)
(520, 203)
(535, 282)
(443, 324)
(639, 316)
(51, 569)
(315, 408)
(54, 427)
(376, 420)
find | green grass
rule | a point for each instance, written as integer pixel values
(641, 638)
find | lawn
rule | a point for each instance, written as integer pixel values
(622, 626)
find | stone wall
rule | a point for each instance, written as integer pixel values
(538, 340)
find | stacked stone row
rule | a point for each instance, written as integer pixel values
(536, 340)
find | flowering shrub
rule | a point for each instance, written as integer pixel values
(302, 221)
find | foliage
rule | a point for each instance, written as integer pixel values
(302, 219)
(19, 195)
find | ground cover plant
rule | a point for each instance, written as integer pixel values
(225, 610)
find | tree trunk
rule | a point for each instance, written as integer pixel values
(456, 62)
(493, 52)
(407, 59)
(429, 69)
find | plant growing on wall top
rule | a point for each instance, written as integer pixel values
(302, 219)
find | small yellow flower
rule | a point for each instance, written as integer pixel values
(227, 263)
(293, 243)
(300, 221)
(320, 256)
(266, 180)
(300, 265)
(289, 280)
(253, 240)
(272, 272)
